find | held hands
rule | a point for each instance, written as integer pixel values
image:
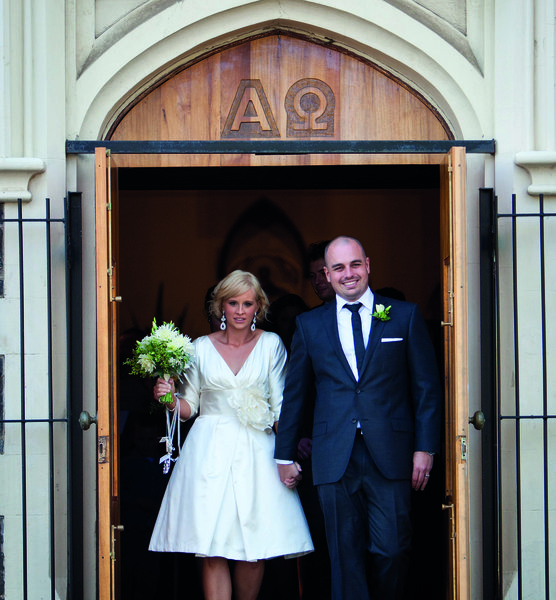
(162, 388)
(290, 475)
(422, 465)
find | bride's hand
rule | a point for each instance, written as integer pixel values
(162, 388)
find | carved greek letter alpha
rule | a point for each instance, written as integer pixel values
(250, 114)
(310, 105)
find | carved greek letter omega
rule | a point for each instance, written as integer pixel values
(310, 105)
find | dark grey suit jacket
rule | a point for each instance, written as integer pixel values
(397, 399)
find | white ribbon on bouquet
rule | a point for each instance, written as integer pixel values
(171, 425)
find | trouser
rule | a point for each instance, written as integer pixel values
(365, 510)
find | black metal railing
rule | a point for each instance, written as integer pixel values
(487, 212)
(39, 424)
(515, 389)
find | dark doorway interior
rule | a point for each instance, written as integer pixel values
(181, 229)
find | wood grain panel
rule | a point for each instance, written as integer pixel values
(454, 258)
(195, 103)
(103, 374)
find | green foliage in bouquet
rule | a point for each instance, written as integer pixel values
(164, 353)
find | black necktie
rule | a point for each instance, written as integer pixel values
(357, 334)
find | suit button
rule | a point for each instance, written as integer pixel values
(354, 420)
(357, 391)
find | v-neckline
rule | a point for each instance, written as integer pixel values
(246, 358)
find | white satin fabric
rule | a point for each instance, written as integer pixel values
(225, 497)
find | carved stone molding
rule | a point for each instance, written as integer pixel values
(541, 165)
(15, 175)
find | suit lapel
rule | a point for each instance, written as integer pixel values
(330, 321)
(376, 333)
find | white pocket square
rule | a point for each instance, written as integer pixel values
(391, 340)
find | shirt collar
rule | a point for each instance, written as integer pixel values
(367, 300)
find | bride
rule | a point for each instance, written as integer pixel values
(224, 499)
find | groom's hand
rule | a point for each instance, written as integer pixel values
(290, 475)
(422, 465)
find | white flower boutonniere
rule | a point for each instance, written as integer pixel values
(381, 313)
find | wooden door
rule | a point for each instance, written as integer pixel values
(454, 289)
(454, 285)
(107, 365)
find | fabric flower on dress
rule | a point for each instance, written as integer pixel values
(252, 408)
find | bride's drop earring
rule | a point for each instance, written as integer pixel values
(223, 322)
(254, 324)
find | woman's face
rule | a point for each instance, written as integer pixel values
(240, 310)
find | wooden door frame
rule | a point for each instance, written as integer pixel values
(106, 386)
(460, 372)
(107, 414)
(104, 478)
(454, 283)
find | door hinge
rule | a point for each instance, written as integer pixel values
(113, 546)
(450, 322)
(102, 449)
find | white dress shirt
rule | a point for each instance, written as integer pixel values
(345, 328)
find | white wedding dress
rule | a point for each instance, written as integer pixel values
(225, 497)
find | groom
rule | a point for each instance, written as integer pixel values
(376, 422)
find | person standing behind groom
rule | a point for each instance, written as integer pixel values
(376, 422)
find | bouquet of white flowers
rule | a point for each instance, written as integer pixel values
(165, 353)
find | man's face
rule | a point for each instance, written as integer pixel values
(322, 287)
(347, 269)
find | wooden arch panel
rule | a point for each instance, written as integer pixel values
(279, 87)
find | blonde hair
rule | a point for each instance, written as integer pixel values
(237, 283)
